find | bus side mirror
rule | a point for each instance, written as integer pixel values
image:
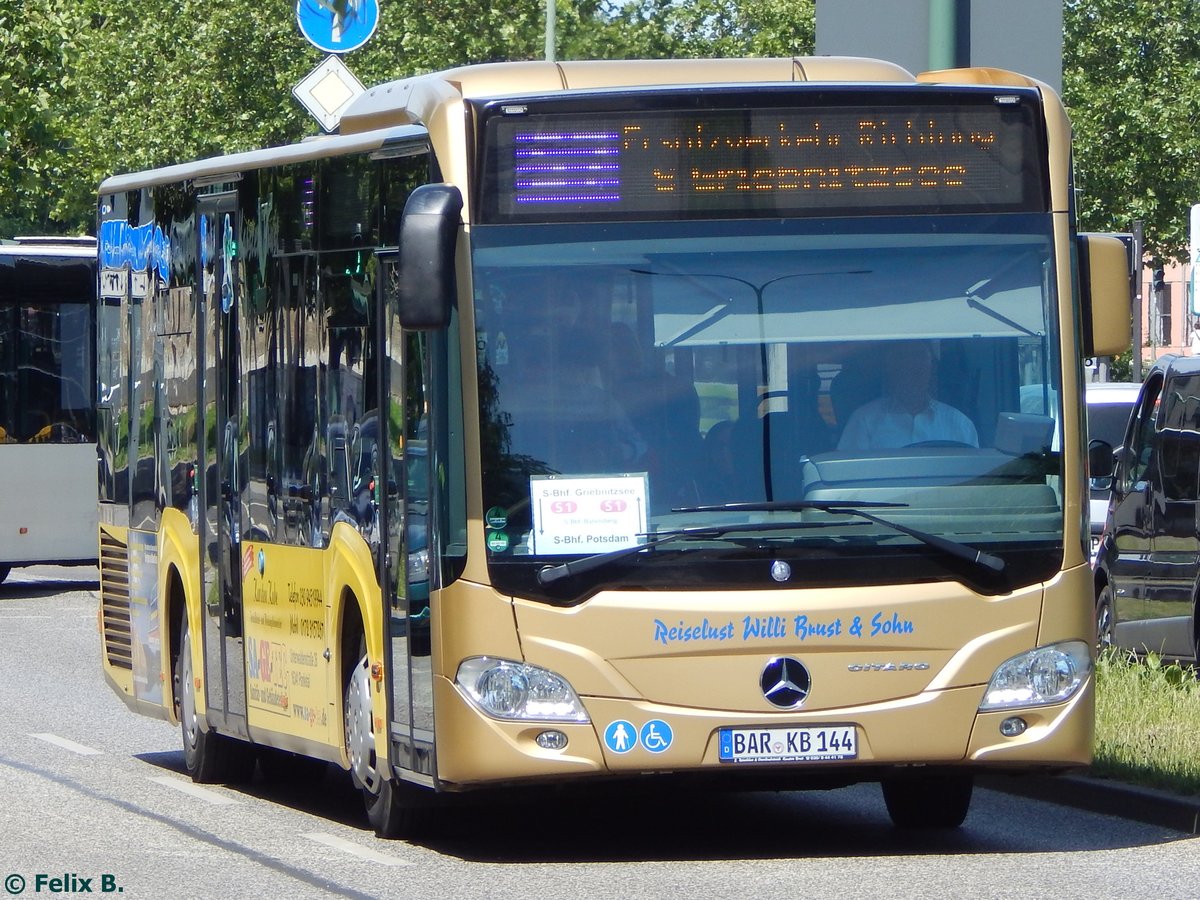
(428, 239)
(1105, 281)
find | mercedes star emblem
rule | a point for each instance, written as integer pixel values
(785, 682)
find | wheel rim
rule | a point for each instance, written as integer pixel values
(360, 731)
(1104, 627)
(187, 695)
(1104, 620)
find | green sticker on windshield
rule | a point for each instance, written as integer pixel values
(497, 541)
(496, 517)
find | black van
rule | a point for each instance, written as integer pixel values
(1148, 562)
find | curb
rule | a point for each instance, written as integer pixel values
(1099, 795)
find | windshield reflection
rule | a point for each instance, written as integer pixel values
(630, 371)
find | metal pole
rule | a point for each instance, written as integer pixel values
(1136, 357)
(943, 31)
(550, 17)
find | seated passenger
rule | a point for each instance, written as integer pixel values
(906, 414)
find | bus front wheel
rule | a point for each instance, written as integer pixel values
(211, 758)
(928, 801)
(395, 808)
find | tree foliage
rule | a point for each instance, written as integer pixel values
(36, 45)
(91, 88)
(1131, 79)
(657, 29)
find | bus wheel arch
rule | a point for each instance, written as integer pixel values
(358, 726)
(394, 809)
(176, 613)
(209, 757)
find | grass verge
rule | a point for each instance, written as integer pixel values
(1147, 722)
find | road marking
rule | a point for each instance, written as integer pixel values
(194, 790)
(353, 849)
(66, 744)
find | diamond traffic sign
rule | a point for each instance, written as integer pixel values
(327, 90)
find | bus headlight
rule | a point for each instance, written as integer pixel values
(1046, 675)
(511, 690)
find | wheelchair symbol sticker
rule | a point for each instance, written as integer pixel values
(656, 735)
(620, 736)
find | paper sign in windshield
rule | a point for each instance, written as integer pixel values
(587, 514)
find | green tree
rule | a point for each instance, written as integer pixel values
(91, 88)
(191, 79)
(1131, 79)
(657, 29)
(37, 39)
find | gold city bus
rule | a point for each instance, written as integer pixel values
(47, 402)
(500, 439)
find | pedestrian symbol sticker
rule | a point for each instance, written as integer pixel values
(620, 736)
(656, 735)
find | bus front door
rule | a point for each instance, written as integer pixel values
(221, 397)
(405, 554)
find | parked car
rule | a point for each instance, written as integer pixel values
(1109, 404)
(1147, 570)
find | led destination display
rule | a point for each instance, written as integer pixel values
(935, 157)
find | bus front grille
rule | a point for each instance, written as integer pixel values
(114, 601)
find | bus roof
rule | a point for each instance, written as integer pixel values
(397, 110)
(221, 166)
(48, 246)
(414, 99)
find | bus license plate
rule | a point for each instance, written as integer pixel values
(792, 744)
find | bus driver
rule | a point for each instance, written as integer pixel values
(906, 413)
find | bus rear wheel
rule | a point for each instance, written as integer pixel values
(395, 808)
(928, 801)
(210, 758)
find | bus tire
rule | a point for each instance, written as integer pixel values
(400, 810)
(395, 808)
(928, 801)
(210, 758)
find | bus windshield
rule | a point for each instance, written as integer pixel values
(636, 377)
(46, 351)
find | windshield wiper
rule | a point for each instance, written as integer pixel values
(548, 574)
(851, 508)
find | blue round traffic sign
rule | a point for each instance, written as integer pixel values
(337, 26)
